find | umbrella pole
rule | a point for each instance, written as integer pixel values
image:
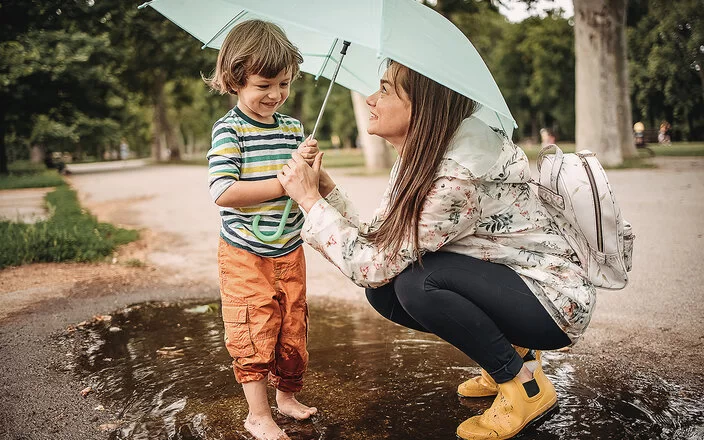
(255, 223)
(343, 52)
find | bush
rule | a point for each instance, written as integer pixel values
(70, 234)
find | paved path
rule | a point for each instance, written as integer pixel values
(653, 328)
(662, 308)
(25, 205)
(101, 167)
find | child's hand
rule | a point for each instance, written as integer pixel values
(308, 149)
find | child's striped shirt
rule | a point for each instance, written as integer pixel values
(244, 149)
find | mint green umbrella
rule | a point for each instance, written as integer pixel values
(403, 30)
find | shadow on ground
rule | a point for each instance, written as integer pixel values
(162, 371)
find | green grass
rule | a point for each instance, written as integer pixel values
(31, 180)
(677, 149)
(683, 149)
(26, 174)
(70, 234)
(25, 167)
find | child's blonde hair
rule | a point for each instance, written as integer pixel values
(253, 47)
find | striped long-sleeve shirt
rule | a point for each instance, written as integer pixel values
(247, 150)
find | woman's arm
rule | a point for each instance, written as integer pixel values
(449, 210)
(325, 184)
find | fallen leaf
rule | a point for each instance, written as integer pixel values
(170, 352)
(109, 426)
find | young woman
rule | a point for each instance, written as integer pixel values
(461, 246)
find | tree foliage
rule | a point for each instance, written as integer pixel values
(666, 64)
(81, 75)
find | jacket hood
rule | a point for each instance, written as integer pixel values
(487, 154)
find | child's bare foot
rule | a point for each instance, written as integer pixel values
(264, 428)
(289, 406)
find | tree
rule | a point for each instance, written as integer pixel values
(159, 51)
(549, 47)
(603, 107)
(58, 78)
(667, 65)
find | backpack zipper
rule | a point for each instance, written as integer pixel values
(597, 205)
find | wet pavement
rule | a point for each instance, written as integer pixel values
(161, 371)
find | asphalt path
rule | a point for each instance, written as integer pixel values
(655, 323)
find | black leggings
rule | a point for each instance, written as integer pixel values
(479, 307)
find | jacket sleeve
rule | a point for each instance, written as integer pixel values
(341, 202)
(449, 210)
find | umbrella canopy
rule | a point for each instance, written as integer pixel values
(403, 30)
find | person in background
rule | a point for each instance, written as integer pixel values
(664, 133)
(639, 134)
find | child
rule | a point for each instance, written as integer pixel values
(262, 284)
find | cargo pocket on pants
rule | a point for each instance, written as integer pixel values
(237, 337)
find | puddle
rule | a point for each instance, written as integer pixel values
(162, 371)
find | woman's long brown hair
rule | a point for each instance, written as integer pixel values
(436, 114)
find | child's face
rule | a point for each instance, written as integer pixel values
(261, 97)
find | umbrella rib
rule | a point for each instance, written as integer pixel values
(234, 19)
(327, 58)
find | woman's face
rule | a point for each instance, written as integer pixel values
(390, 112)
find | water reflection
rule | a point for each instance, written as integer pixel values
(163, 371)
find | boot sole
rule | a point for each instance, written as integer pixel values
(477, 395)
(541, 418)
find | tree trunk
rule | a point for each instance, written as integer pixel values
(603, 106)
(36, 154)
(172, 141)
(3, 147)
(376, 153)
(159, 105)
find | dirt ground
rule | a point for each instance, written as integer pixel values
(657, 322)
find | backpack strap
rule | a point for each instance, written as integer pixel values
(556, 163)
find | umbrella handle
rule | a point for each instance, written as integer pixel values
(280, 230)
(287, 210)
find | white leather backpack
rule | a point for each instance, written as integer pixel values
(576, 192)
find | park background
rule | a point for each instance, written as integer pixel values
(84, 76)
(120, 298)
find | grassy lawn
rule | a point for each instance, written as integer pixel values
(69, 234)
(38, 180)
(24, 174)
(677, 149)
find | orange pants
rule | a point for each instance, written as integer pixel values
(266, 315)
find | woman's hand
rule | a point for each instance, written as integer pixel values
(300, 180)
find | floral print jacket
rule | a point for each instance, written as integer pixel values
(481, 205)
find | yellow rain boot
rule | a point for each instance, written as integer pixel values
(515, 406)
(484, 385)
